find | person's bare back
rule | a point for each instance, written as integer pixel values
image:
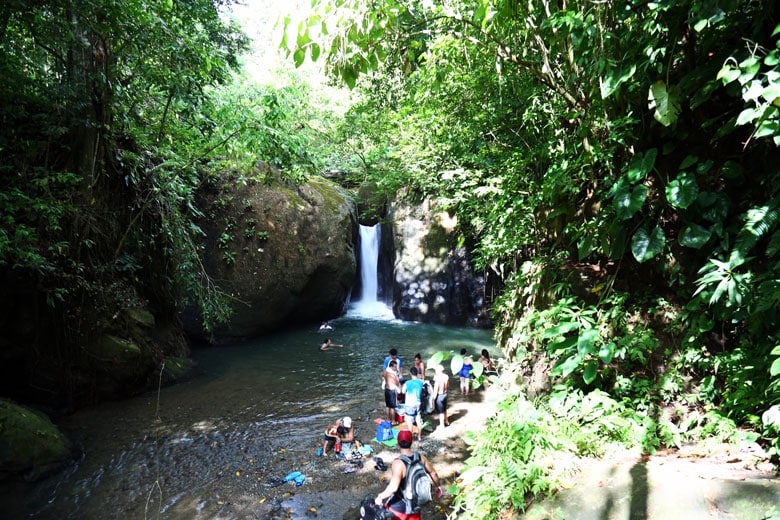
(441, 383)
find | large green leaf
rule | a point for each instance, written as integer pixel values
(714, 206)
(560, 329)
(682, 191)
(646, 245)
(607, 352)
(562, 343)
(666, 102)
(615, 240)
(565, 366)
(585, 246)
(590, 372)
(775, 368)
(694, 235)
(586, 341)
(641, 165)
(627, 203)
(614, 78)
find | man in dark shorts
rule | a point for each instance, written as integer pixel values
(441, 383)
(392, 386)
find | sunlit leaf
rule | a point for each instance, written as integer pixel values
(646, 245)
(628, 203)
(569, 365)
(607, 352)
(682, 191)
(666, 102)
(586, 341)
(456, 363)
(694, 235)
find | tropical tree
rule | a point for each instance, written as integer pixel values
(615, 161)
(96, 198)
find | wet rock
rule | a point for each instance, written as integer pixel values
(435, 279)
(31, 446)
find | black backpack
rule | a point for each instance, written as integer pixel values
(417, 484)
(370, 511)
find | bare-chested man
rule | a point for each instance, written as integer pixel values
(392, 386)
(441, 383)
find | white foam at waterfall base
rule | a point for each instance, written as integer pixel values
(375, 310)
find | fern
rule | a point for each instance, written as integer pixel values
(760, 222)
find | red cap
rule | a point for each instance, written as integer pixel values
(405, 436)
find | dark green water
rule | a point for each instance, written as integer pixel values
(175, 456)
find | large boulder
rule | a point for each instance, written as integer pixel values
(435, 281)
(283, 253)
(31, 447)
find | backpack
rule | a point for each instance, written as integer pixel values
(384, 432)
(417, 484)
(370, 511)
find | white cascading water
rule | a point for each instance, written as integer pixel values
(369, 305)
(369, 258)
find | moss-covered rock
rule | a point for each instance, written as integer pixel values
(283, 253)
(30, 445)
(177, 369)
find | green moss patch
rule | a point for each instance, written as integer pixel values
(30, 445)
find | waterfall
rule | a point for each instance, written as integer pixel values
(369, 260)
(369, 305)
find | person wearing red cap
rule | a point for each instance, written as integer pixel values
(397, 504)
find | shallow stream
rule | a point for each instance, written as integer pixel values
(187, 450)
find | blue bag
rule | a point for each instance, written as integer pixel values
(384, 432)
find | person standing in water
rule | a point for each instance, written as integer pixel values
(420, 366)
(412, 388)
(465, 372)
(393, 356)
(441, 383)
(325, 327)
(392, 385)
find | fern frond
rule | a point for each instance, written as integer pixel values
(760, 222)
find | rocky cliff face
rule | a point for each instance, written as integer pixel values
(285, 255)
(434, 278)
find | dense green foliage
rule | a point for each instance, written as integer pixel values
(615, 162)
(618, 164)
(94, 96)
(114, 114)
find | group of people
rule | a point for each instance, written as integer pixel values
(407, 397)
(411, 396)
(466, 375)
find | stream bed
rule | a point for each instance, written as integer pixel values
(187, 450)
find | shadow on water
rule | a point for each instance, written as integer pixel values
(252, 404)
